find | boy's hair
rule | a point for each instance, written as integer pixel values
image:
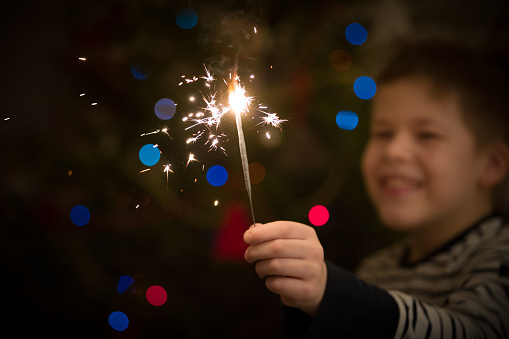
(478, 79)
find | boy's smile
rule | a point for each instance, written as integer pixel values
(421, 165)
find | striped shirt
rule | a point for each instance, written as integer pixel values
(460, 291)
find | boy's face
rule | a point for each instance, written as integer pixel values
(420, 166)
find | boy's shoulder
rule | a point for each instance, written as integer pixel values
(382, 259)
(486, 241)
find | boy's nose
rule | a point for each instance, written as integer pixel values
(399, 148)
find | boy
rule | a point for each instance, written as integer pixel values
(437, 152)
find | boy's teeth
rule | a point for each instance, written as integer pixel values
(399, 183)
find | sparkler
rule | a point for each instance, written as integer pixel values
(215, 109)
(218, 102)
(239, 103)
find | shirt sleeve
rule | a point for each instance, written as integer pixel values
(351, 308)
(478, 309)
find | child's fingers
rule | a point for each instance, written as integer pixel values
(276, 230)
(296, 268)
(278, 248)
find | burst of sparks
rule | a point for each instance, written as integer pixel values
(272, 119)
(212, 114)
(210, 117)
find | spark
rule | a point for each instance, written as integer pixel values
(191, 158)
(191, 98)
(137, 206)
(216, 203)
(209, 77)
(254, 29)
(163, 130)
(145, 170)
(6, 119)
(195, 137)
(267, 134)
(82, 94)
(94, 104)
(167, 169)
(82, 59)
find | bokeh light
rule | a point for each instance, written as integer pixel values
(356, 34)
(340, 60)
(318, 215)
(149, 154)
(125, 283)
(118, 321)
(140, 71)
(257, 172)
(156, 295)
(347, 120)
(364, 87)
(165, 109)
(187, 18)
(217, 175)
(80, 215)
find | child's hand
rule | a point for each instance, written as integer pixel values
(290, 257)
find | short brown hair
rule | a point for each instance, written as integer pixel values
(478, 78)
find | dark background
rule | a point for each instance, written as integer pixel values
(58, 150)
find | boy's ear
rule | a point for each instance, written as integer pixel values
(497, 166)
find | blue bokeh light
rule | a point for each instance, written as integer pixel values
(80, 215)
(139, 71)
(187, 18)
(217, 175)
(356, 34)
(118, 321)
(364, 87)
(165, 109)
(124, 283)
(347, 120)
(149, 154)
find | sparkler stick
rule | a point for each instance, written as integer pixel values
(239, 103)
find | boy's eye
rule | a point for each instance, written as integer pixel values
(428, 135)
(381, 134)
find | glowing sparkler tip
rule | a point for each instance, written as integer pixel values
(237, 98)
